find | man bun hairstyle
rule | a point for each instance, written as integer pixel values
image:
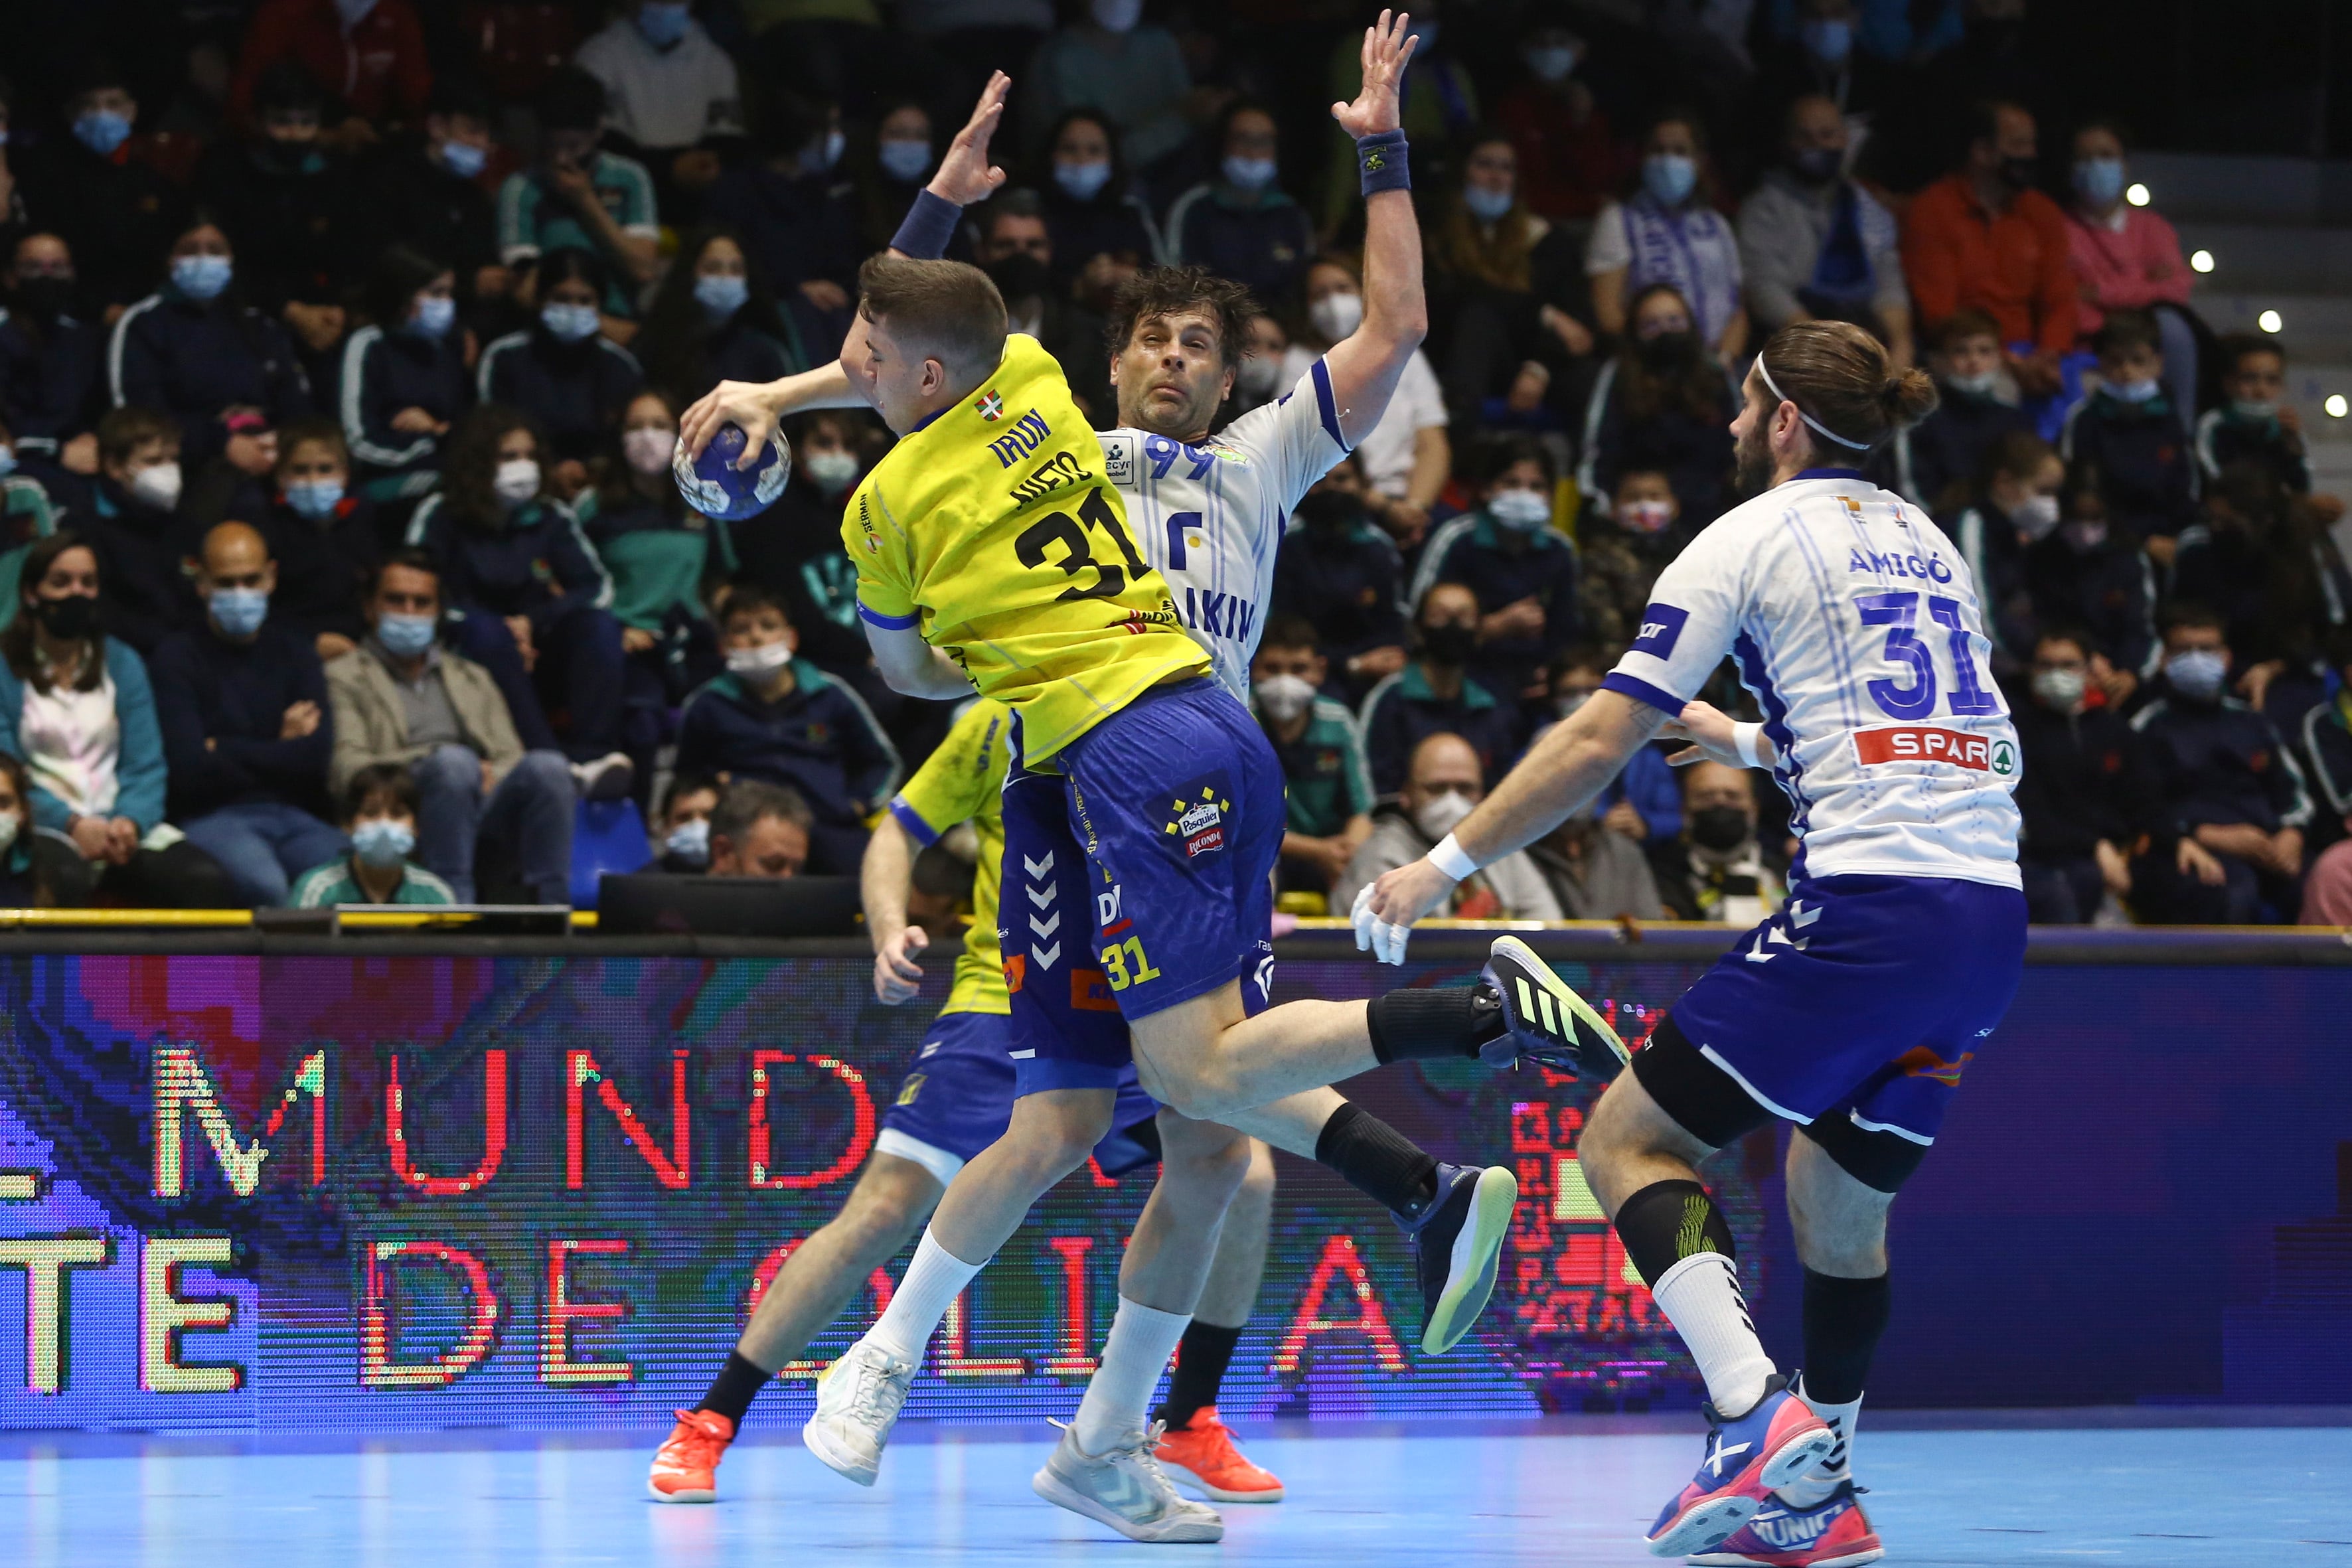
(1849, 393)
(948, 310)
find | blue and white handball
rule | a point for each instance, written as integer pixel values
(713, 486)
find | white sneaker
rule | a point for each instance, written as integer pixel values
(607, 778)
(1125, 1488)
(858, 1399)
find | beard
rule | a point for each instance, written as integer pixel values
(1752, 462)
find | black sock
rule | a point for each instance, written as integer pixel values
(1201, 1359)
(1843, 1319)
(1666, 1222)
(1377, 1159)
(1420, 1021)
(738, 1383)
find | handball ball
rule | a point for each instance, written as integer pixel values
(713, 486)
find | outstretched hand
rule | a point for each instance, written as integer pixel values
(965, 176)
(1388, 45)
(1708, 729)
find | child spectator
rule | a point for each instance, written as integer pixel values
(133, 526)
(684, 824)
(1623, 547)
(1406, 456)
(577, 197)
(2131, 430)
(2088, 573)
(198, 352)
(1669, 233)
(2262, 558)
(2255, 423)
(324, 539)
(1102, 231)
(1644, 801)
(893, 168)
(713, 321)
(1136, 74)
(1326, 783)
(793, 549)
(276, 191)
(1433, 694)
(1340, 572)
(426, 192)
(1975, 408)
(116, 214)
(798, 227)
(380, 813)
(1242, 225)
(1443, 786)
(404, 379)
(49, 354)
(1523, 570)
(780, 719)
(2013, 507)
(2084, 787)
(2127, 257)
(368, 52)
(562, 369)
(1662, 403)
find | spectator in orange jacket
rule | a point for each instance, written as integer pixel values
(1983, 238)
(368, 55)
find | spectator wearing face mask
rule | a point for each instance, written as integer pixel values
(403, 381)
(426, 192)
(1595, 874)
(562, 370)
(1814, 246)
(713, 321)
(2231, 800)
(1662, 403)
(276, 193)
(1439, 105)
(533, 601)
(2130, 429)
(1131, 70)
(902, 157)
(246, 733)
(1976, 408)
(1983, 238)
(1716, 869)
(762, 829)
(797, 219)
(1257, 381)
(671, 98)
(380, 809)
(1340, 572)
(2012, 509)
(323, 539)
(1325, 783)
(2266, 564)
(196, 351)
(1103, 232)
(1569, 161)
(370, 53)
(1015, 248)
(1242, 224)
(1623, 548)
(779, 719)
(26, 510)
(1435, 694)
(2084, 787)
(2126, 257)
(130, 520)
(1668, 232)
(49, 355)
(793, 549)
(1484, 261)
(20, 886)
(1523, 570)
(1444, 783)
(684, 824)
(579, 197)
(116, 215)
(2088, 573)
(2327, 735)
(1819, 56)
(1644, 801)
(2254, 422)
(1406, 458)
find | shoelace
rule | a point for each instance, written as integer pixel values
(1138, 1454)
(695, 1444)
(868, 1396)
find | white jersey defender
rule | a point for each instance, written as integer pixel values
(1857, 625)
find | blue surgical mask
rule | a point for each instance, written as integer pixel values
(722, 293)
(1249, 173)
(1082, 182)
(1830, 39)
(2146, 390)
(381, 842)
(434, 316)
(1550, 62)
(903, 159)
(464, 159)
(568, 323)
(663, 23)
(405, 636)
(1486, 206)
(690, 842)
(2197, 673)
(315, 499)
(240, 612)
(2099, 181)
(103, 131)
(1669, 177)
(202, 276)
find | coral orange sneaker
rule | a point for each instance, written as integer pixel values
(685, 1467)
(1201, 1454)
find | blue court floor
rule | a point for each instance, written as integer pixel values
(1454, 1497)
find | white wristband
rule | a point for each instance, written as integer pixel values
(1743, 741)
(1450, 858)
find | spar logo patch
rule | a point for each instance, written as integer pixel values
(1924, 743)
(1197, 815)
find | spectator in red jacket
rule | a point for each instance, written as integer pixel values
(1983, 238)
(368, 54)
(1570, 163)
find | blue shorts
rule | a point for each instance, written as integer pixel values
(957, 1098)
(1138, 877)
(1862, 1000)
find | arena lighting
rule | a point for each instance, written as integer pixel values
(2202, 261)
(2136, 195)
(2337, 407)
(2269, 321)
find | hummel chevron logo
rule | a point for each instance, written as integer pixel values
(1038, 867)
(1800, 916)
(1042, 895)
(1047, 957)
(1046, 927)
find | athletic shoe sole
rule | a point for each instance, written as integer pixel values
(1741, 1560)
(820, 1442)
(1184, 1477)
(688, 1494)
(1703, 1528)
(1061, 1494)
(1572, 1005)
(1470, 1269)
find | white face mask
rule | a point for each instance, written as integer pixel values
(1981, 384)
(1283, 698)
(9, 824)
(764, 661)
(831, 472)
(1522, 511)
(158, 484)
(690, 841)
(2061, 688)
(1258, 376)
(2036, 517)
(517, 481)
(648, 449)
(1336, 315)
(1439, 815)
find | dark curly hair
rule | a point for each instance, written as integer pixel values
(1158, 291)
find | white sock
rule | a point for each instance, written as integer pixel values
(933, 1281)
(1700, 1296)
(1119, 1397)
(1817, 1484)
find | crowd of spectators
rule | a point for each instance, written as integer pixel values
(342, 345)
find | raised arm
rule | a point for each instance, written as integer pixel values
(912, 667)
(1365, 366)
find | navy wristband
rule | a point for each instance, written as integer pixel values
(1381, 161)
(928, 227)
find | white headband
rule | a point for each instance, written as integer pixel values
(1819, 428)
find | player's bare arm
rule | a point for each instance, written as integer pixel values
(883, 877)
(1716, 736)
(1365, 366)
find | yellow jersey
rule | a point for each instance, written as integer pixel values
(992, 528)
(964, 781)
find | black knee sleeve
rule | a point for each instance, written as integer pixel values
(1666, 1222)
(1420, 1021)
(1843, 1319)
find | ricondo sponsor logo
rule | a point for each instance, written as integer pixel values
(1922, 743)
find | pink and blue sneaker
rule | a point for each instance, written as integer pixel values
(1772, 1445)
(1832, 1533)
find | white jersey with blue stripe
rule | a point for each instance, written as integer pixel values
(1857, 625)
(1209, 517)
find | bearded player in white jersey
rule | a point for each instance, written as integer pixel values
(1852, 1012)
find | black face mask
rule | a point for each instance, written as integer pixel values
(1668, 351)
(69, 619)
(1019, 276)
(1329, 511)
(1817, 166)
(1449, 644)
(46, 297)
(1718, 828)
